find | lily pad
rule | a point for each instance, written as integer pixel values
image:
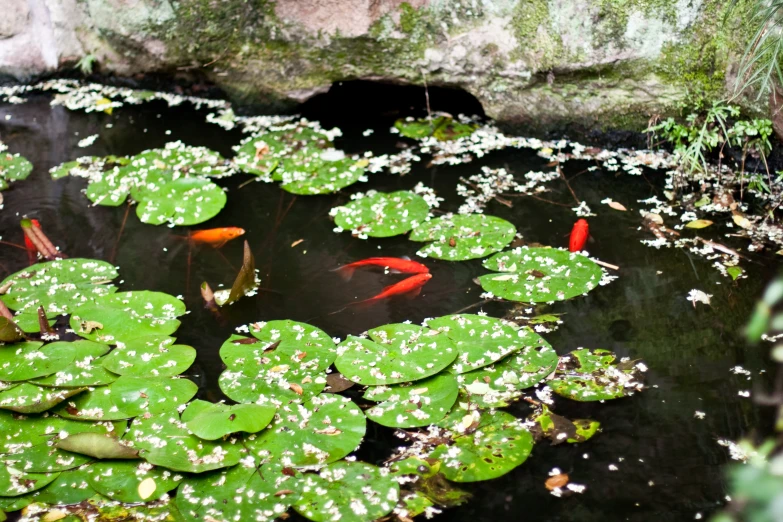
(70, 487)
(30, 443)
(290, 144)
(591, 375)
(505, 379)
(408, 406)
(28, 360)
(86, 369)
(459, 238)
(481, 340)
(131, 482)
(218, 420)
(349, 492)
(182, 202)
(124, 316)
(139, 395)
(15, 482)
(154, 356)
(323, 177)
(380, 214)
(58, 286)
(245, 492)
(323, 430)
(29, 398)
(540, 275)
(395, 353)
(443, 128)
(13, 167)
(10, 332)
(164, 440)
(497, 445)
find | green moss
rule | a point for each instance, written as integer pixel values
(528, 17)
(409, 18)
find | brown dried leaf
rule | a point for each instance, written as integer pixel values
(295, 388)
(556, 481)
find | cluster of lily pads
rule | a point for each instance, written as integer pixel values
(100, 420)
(171, 185)
(13, 167)
(301, 156)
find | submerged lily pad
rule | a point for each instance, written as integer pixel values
(124, 316)
(323, 430)
(246, 492)
(131, 482)
(214, 421)
(13, 167)
(59, 286)
(165, 441)
(481, 340)
(418, 404)
(540, 275)
(349, 492)
(154, 356)
(592, 375)
(395, 353)
(497, 445)
(459, 238)
(380, 214)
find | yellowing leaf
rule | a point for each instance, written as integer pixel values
(699, 223)
(147, 488)
(741, 221)
(478, 388)
(655, 218)
(53, 515)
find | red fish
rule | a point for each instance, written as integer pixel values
(216, 237)
(395, 264)
(32, 252)
(411, 285)
(579, 235)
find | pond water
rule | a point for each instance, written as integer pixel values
(654, 460)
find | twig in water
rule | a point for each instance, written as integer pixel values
(607, 265)
(119, 234)
(474, 305)
(427, 97)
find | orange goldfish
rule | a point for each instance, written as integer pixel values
(411, 285)
(216, 237)
(395, 264)
(579, 235)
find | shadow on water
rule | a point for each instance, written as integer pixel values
(669, 466)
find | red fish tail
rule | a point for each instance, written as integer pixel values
(345, 272)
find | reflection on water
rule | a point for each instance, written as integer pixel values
(668, 463)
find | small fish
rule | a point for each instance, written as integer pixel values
(579, 235)
(216, 237)
(395, 264)
(411, 285)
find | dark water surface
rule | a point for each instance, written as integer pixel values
(669, 463)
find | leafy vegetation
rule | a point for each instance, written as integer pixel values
(13, 167)
(442, 128)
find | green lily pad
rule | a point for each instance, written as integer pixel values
(127, 481)
(540, 275)
(15, 482)
(218, 420)
(30, 443)
(323, 430)
(497, 445)
(97, 445)
(13, 167)
(96, 404)
(504, 380)
(412, 405)
(154, 356)
(124, 316)
(290, 144)
(285, 365)
(28, 360)
(85, 370)
(481, 340)
(591, 375)
(394, 354)
(558, 429)
(164, 440)
(443, 128)
(380, 214)
(138, 395)
(349, 492)
(70, 487)
(59, 286)
(29, 398)
(323, 177)
(459, 238)
(244, 493)
(182, 202)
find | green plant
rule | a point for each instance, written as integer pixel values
(87, 64)
(759, 67)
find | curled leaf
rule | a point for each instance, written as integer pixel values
(98, 445)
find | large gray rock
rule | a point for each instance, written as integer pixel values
(536, 62)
